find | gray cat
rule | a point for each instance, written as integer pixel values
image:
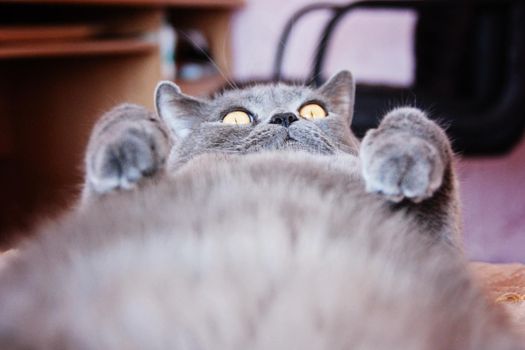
(255, 220)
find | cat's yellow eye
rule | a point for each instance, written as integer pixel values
(312, 111)
(237, 118)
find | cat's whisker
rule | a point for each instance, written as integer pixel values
(211, 60)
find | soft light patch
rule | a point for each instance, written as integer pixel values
(510, 298)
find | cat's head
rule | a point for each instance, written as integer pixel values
(261, 117)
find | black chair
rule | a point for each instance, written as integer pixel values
(470, 68)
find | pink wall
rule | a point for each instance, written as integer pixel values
(492, 189)
(258, 26)
(493, 204)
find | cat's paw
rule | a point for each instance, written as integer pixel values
(406, 167)
(123, 161)
(399, 162)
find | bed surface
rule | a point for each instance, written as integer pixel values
(504, 284)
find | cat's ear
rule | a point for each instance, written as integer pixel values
(180, 112)
(340, 91)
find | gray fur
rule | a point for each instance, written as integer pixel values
(196, 123)
(128, 144)
(261, 237)
(405, 157)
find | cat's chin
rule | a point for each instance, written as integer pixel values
(292, 144)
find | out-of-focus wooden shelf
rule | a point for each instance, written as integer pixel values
(143, 3)
(18, 34)
(82, 48)
(63, 63)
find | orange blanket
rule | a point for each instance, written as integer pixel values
(505, 284)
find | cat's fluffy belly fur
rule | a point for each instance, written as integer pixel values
(299, 261)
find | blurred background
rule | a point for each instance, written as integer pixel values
(64, 62)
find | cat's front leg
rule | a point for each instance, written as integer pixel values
(408, 161)
(406, 157)
(127, 145)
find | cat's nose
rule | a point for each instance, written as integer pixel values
(283, 119)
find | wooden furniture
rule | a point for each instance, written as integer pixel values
(62, 64)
